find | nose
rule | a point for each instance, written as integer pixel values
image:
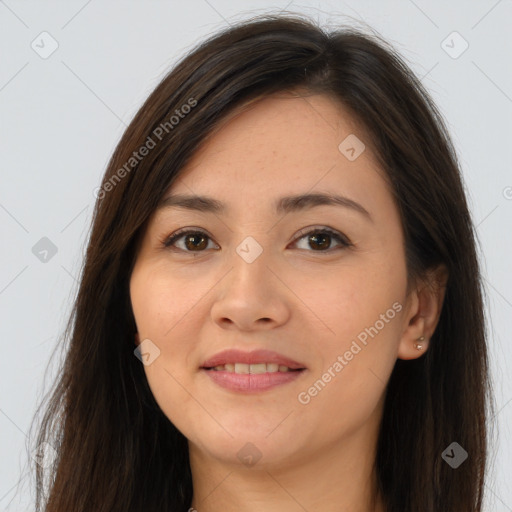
(252, 296)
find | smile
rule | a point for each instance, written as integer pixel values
(257, 368)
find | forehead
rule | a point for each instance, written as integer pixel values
(284, 143)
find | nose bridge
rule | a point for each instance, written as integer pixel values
(250, 250)
(251, 295)
(251, 263)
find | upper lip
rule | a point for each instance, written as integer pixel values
(256, 356)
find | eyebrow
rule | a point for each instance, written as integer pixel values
(283, 205)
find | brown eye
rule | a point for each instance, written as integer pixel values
(320, 240)
(193, 241)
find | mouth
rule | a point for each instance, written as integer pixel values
(252, 369)
(254, 362)
(251, 372)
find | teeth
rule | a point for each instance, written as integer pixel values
(258, 368)
(252, 368)
(242, 368)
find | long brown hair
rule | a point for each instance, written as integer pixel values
(116, 450)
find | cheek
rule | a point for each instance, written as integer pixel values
(359, 312)
(161, 302)
(161, 318)
(354, 298)
(355, 362)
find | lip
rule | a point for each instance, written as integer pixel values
(254, 357)
(251, 382)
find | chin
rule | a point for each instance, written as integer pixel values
(249, 447)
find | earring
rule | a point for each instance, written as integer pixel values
(419, 346)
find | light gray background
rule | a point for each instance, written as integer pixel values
(62, 116)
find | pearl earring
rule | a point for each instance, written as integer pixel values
(419, 346)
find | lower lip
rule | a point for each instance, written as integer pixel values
(251, 381)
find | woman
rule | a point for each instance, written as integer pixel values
(281, 305)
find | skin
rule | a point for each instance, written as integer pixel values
(307, 304)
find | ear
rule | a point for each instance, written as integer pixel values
(424, 305)
(137, 339)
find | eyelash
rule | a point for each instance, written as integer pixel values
(335, 235)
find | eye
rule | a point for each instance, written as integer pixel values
(194, 240)
(197, 240)
(320, 239)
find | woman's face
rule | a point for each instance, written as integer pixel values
(252, 277)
